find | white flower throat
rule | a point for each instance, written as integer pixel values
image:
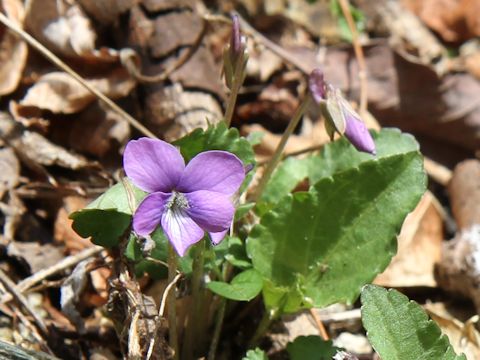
(177, 202)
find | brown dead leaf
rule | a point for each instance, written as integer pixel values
(98, 130)
(35, 255)
(106, 11)
(60, 25)
(175, 111)
(463, 336)
(63, 232)
(34, 150)
(454, 20)
(58, 92)
(419, 248)
(13, 50)
(9, 170)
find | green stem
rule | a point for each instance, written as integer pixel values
(218, 329)
(172, 302)
(226, 270)
(236, 84)
(261, 329)
(277, 156)
(191, 331)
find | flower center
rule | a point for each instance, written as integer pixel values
(177, 202)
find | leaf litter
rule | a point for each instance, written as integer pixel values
(61, 146)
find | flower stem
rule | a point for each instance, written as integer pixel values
(232, 100)
(193, 326)
(261, 329)
(226, 270)
(277, 156)
(218, 329)
(172, 303)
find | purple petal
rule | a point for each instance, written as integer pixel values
(316, 85)
(218, 171)
(181, 230)
(153, 165)
(357, 133)
(149, 212)
(212, 211)
(217, 237)
(235, 39)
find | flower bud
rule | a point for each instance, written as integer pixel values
(316, 85)
(338, 114)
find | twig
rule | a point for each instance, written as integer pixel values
(357, 47)
(281, 52)
(277, 156)
(437, 172)
(320, 326)
(58, 62)
(41, 275)
(65, 263)
(10, 286)
(165, 294)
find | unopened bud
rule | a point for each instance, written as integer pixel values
(316, 85)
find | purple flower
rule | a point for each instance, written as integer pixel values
(185, 200)
(339, 115)
(357, 133)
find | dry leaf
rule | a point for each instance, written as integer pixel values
(97, 130)
(9, 170)
(71, 292)
(63, 232)
(454, 20)
(176, 112)
(36, 256)
(463, 336)
(419, 248)
(106, 11)
(61, 26)
(13, 50)
(60, 93)
(35, 150)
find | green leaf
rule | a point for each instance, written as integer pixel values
(105, 227)
(341, 155)
(236, 254)
(311, 348)
(336, 156)
(286, 178)
(107, 218)
(216, 137)
(243, 287)
(399, 329)
(327, 243)
(117, 197)
(256, 354)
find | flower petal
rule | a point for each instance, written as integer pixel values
(357, 133)
(218, 171)
(149, 212)
(217, 237)
(153, 165)
(181, 230)
(212, 211)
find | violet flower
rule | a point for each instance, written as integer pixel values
(339, 115)
(185, 200)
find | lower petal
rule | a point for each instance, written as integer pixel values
(181, 230)
(149, 212)
(217, 237)
(211, 210)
